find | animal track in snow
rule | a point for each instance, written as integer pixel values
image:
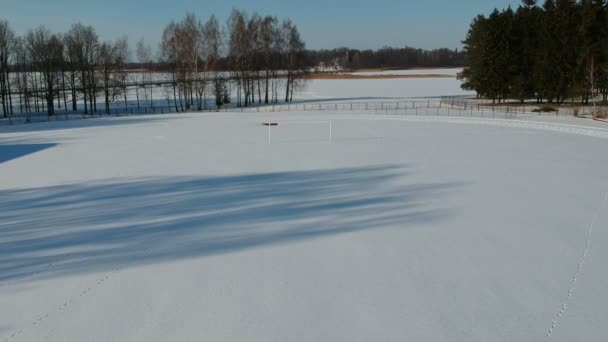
(64, 307)
(579, 269)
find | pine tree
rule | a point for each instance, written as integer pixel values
(523, 50)
(555, 52)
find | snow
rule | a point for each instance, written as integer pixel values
(193, 227)
(442, 71)
(380, 88)
(311, 90)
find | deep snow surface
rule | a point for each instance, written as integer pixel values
(379, 89)
(442, 71)
(196, 228)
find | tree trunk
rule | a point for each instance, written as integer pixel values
(84, 92)
(287, 87)
(266, 96)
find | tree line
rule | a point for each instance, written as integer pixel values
(554, 52)
(261, 58)
(259, 52)
(387, 57)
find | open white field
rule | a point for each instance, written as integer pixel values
(441, 71)
(345, 89)
(200, 227)
(159, 99)
(380, 89)
(351, 90)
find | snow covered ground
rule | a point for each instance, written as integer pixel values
(443, 71)
(199, 227)
(139, 100)
(380, 89)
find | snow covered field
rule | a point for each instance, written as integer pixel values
(443, 71)
(311, 90)
(380, 89)
(199, 227)
(327, 89)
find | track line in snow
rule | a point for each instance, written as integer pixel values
(579, 269)
(65, 306)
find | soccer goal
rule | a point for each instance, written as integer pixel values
(300, 131)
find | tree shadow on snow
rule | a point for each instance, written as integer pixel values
(70, 229)
(79, 122)
(10, 152)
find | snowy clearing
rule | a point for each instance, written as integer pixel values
(380, 89)
(159, 99)
(442, 71)
(194, 227)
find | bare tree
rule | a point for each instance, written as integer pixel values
(81, 55)
(169, 56)
(251, 56)
(121, 48)
(268, 34)
(191, 48)
(7, 40)
(73, 60)
(238, 53)
(63, 70)
(47, 56)
(144, 57)
(255, 55)
(22, 68)
(107, 59)
(210, 49)
(293, 53)
(91, 58)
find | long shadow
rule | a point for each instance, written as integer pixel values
(77, 121)
(70, 229)
(10, 152)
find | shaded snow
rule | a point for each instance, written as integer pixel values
(193, 227)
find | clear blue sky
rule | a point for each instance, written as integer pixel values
(323, 23)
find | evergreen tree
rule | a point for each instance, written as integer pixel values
(555, 52)
(524, 41)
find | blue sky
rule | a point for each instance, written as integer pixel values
(323, 23)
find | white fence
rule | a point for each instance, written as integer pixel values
(410, 108)
(414, 107)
